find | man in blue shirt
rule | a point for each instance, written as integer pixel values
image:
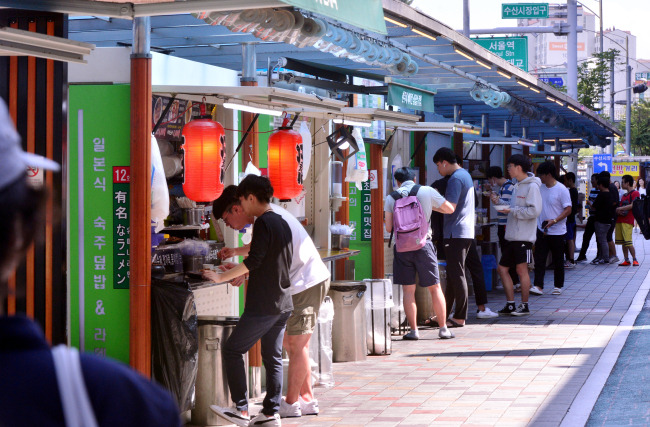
(458, 232)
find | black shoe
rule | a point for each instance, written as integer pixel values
(507, 310)
(522, 310)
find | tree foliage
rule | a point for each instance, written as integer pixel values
(593, 77)
(640, 129)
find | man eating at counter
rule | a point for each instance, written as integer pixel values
(310, 280)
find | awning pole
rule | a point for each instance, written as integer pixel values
(140, 260)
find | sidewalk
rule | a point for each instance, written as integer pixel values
(504, 371)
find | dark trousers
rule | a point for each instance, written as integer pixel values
(544, 244)
(456, 292)
(251, 328)
(501, 233)
(590, 229)
(475, 268)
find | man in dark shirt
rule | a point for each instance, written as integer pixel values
(614, 199)
(591, 220)
(268, 304)
(603, 208)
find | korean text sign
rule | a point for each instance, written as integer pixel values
(98, 226)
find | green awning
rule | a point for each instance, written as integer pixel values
(409, 95)
(365, 14)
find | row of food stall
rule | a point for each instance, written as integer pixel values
(406, 88)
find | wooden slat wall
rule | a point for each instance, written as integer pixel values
(34, 90)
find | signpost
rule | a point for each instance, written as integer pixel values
(602, 162)
(512, 49)
(556, 81)
(524, 10)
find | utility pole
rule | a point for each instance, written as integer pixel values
(572, 49)
(602, 94)
(611, 99)
(466, 18)
(628, 99)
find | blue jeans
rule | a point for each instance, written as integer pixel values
(251, 328)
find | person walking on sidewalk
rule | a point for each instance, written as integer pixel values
(551, 228)
(501, 196)
(309, 285)
(525, 207)
(603, 207)
(591, 220)
(422, 261)
(625, 222)
(268, 305)
(458, 231)
(570, 182)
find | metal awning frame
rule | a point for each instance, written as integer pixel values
(20, 42)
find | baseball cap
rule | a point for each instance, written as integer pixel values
(13, 160)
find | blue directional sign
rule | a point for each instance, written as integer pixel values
(557, 81)
(602, 162)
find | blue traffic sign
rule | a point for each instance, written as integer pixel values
(557, 81)
(602, 162)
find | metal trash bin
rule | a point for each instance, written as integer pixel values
(379, 301)
(349, 324)
(423, 296)
(211, 381)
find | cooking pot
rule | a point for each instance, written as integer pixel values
(193, 216)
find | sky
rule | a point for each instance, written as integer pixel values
(626, 15)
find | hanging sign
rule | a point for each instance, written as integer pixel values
(365, 14)
(512, 49)
(99, 240)
(408, 95)
(524, 10)
(625, 168)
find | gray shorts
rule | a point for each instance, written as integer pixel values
(424, 261)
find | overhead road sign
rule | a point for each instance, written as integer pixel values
(512, 49)
(524, 10)
(409, 95)
(555, 81)
(602, 162)
(366, 14)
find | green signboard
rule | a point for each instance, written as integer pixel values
(524, 10)
(408, 95)
(512, 49)
(360, 219)
(365, 14)
(98, 220)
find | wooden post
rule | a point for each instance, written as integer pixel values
(458, 145)
(377, 214)
(140, 182)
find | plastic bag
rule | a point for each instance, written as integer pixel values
(159, 191)
(251, 169)
(174, 339)
(306, 148)
(320, 347)
(357, 164)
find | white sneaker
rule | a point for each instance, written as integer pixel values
(231, 415)
(556, 291)
(263, 420)
(289, 410)
(614, 260)
(536, 290)
(308, 408)
(486, 314)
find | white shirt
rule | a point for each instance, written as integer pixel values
(307, 268)
(428, 197)
(554, 201)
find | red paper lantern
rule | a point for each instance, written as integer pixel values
(285, 163)
(204, 146)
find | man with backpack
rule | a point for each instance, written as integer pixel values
(407, 213)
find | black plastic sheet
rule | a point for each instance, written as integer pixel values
(174, 338)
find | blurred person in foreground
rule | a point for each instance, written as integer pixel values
(40, 386)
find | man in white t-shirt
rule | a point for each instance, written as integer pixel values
(310, 281)
(551, 228)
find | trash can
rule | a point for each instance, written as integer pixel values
(211, 381)
(349, 324)
(320, 347)
(379, 301)
(489, 263)
(423, 296)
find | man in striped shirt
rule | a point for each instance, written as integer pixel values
(504, 193)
